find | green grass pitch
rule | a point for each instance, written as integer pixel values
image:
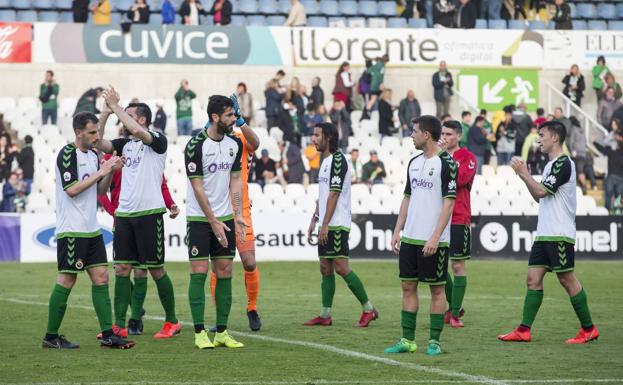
(285, 352)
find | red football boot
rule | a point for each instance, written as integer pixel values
(319, 321)
(584, 336)
(366, 318)
(520, 334)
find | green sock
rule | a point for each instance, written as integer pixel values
(223, 300)
(531, 306)
(449, 286)
(458, 292)
(580, 305)
(139, 291)
(436, 326)
(356, 286)
(57, 307)
(328, 290)
(167, 298)
(407, 321)
(197, 297)
(123, 293)
(103, 308)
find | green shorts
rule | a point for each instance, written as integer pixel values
(414, 266)
(336, 246)
(202, 242)
(74, 255)
(460, 242)
(556, 256)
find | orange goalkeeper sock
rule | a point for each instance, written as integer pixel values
(252, 283)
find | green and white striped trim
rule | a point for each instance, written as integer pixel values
(557, 238)
(75, 234)
(420, 242)
(143, 213)
(193, 218)
(333, 256)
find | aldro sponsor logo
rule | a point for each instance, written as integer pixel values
(421, 183)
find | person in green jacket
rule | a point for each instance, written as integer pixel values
(183, 98)
(48, 95)
(599, 73)
(377, 72)
(466, 123)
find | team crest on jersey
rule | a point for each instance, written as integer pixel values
(231, 152)
(79, 264)
(451, 185)
(431, 172)
(67, 176)
(192, 167)
(336, 180)
(194, 251)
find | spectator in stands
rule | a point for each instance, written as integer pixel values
(321, 110)
(88, 99)
(265, 169)
(373, 172)
(317, 94)
(292, 162)
(560, 116)
(12, 194)
(363, 85)
(221, 11)
(574, 85)
(610, 82)
(523, 122)
(139, 12)
(310, 120)
(280, 76)
(466, 124)
(490, 136)
(80, 9)
(313, 159)
(190, 11)
(576, 143)
(386, 114)
(531, 152)
(341, 119)
(413, 9)
(520, 9)
(540, 117)
(160, 119)
(443, 83)
(466, 14)
(8, 152)
(607, 106)
(377, 77)
(343, 89)
(168, 12)
(246, 102)
(303, 94)
(356, 166)
(408, 110)
(443, 13)
(445, 118)
(26, 162)
(101, 12)
(477, 141)
(599, 73)
(490, 9)
(296, 104)
(590, 171)
(613, 186)
(297, 16)
(184, 111)
(48, 96)
(562, 15)
(505, 136)
(273, 103)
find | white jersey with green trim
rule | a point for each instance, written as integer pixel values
(213, 161)
(77, 216)
(334, 175)
(429, 182)
(141, 177)
(557, 210)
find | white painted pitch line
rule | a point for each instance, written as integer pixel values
(468, 378)
(331, 382)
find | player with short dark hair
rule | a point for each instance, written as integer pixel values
(424, 220)
(139, 227)
(333, 215)
(80, 245)
(213, 164)
(553, 247)
(460, 228)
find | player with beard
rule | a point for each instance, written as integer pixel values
(213, 164)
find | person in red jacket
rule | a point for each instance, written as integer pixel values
(460, 231)
(139, 289)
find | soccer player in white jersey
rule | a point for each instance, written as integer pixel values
(213, 164)
(553, 247)
(139, 226)
(424, 220)
(333, 215)
(80, 246)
